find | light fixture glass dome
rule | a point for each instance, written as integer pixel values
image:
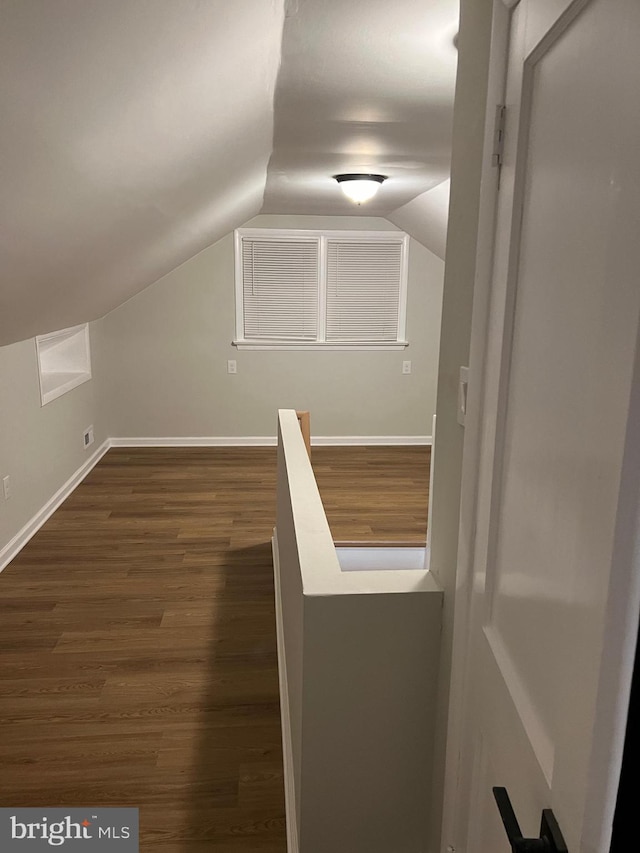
(360, 187)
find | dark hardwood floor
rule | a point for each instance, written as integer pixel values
(137, 637)
(374, 493)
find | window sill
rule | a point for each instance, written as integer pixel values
(319, 345)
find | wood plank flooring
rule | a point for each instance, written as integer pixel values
(137, 637)
(374, 493)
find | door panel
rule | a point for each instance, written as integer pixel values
(560, 349)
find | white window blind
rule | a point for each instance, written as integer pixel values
(363, 290)
(280, 289)
(320, 289)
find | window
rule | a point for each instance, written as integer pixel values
(320, 290)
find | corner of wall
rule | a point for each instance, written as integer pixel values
(41, 447)
(468, 144)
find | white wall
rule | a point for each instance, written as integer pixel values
(462, 238)
(40, 446)
(358, 658)
(163, 356)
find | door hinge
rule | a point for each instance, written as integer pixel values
(498, 135)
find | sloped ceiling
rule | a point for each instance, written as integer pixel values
(134, 134)
(365, 86)
(137, 132)
(425, 218)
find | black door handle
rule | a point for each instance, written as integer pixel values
(550, 840)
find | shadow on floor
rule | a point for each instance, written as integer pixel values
(236, 795)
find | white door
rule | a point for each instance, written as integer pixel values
(553, 614)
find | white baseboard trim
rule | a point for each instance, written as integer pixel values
(364, 440)
(198, 441)
(15, 545)
(267, 440)
(287, 743)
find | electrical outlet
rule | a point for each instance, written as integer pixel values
(232, 366)
(87, 437)
(406, 367)
(6, 487)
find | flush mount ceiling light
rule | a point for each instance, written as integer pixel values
(359, 188)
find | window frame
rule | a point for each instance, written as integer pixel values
(323, 237)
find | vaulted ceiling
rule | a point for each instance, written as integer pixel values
(137, 132)
(365, 86)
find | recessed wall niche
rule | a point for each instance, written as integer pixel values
(64, 361)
